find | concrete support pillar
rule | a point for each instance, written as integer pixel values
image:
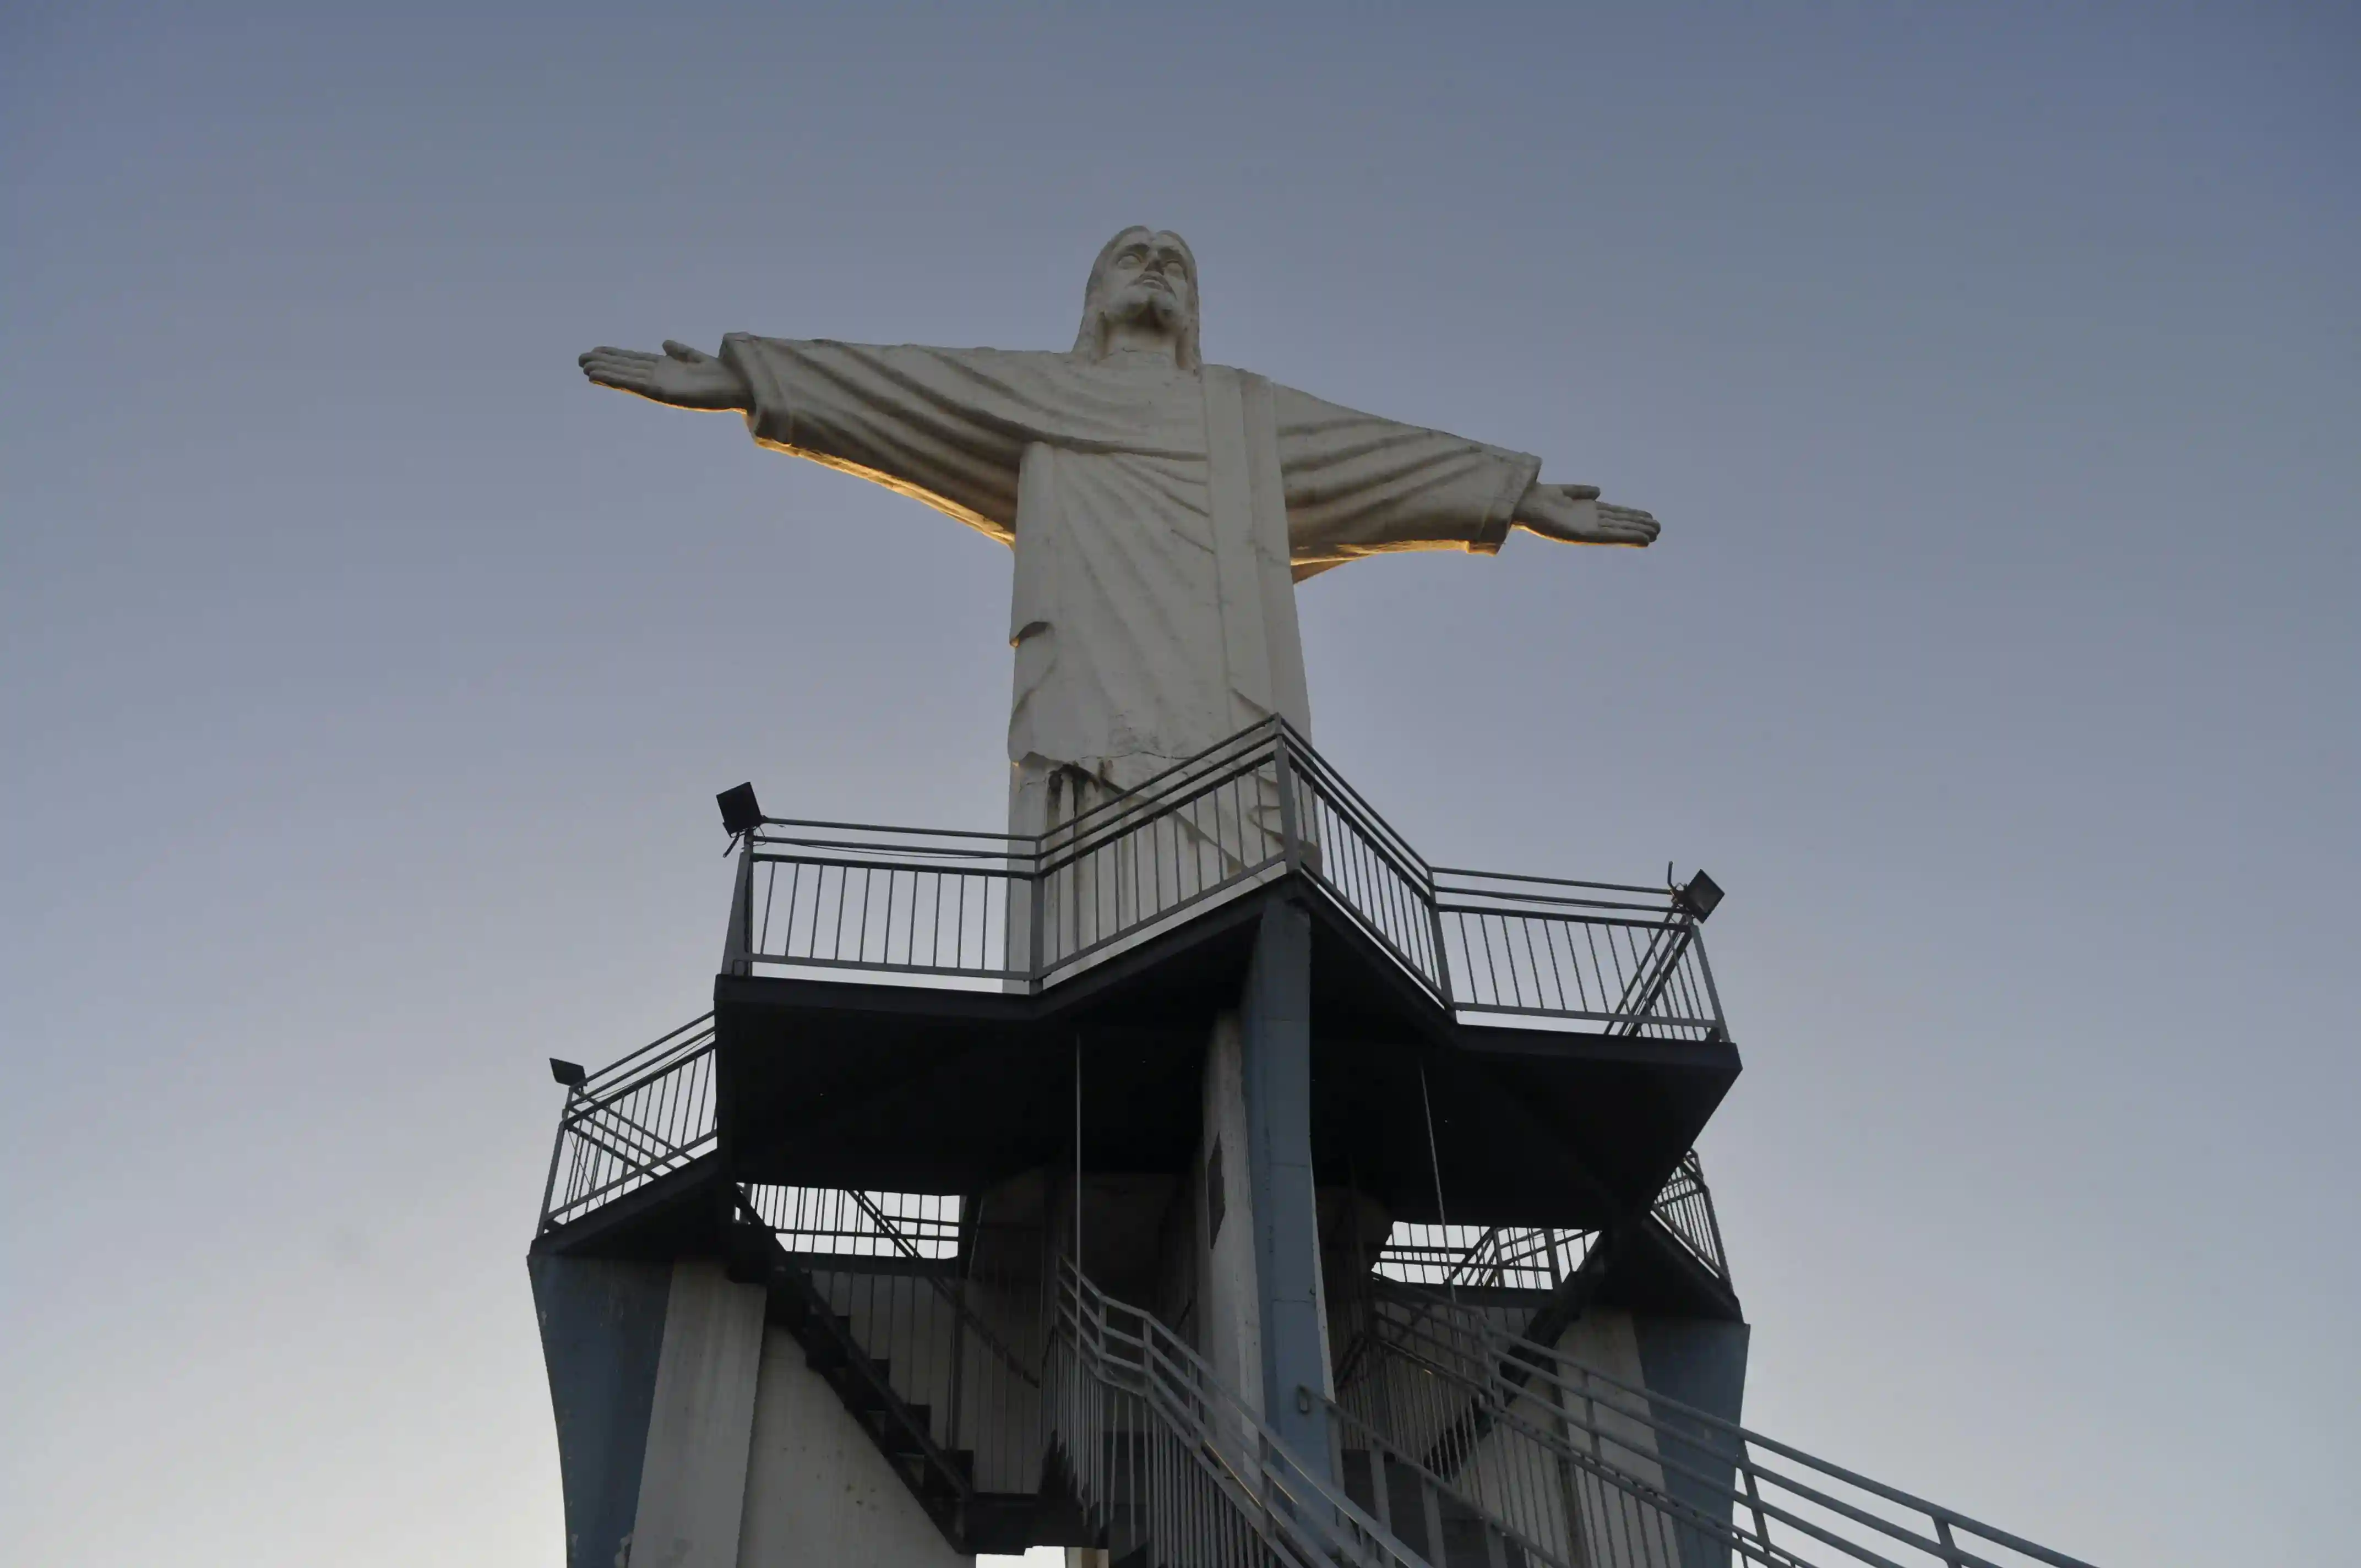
(602, 1322)
(1701, 1362)
(1274, 1051)
(818, 1490)
(1616, 1527)
(1230, 1310)
(693, 1479)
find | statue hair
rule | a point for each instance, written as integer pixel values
(1090, 343)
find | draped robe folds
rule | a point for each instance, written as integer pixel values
(1161, 518)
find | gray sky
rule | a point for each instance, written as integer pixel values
(365, 677)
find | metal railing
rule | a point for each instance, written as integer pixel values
(1624, 956)
(1481, 1257)
(1512, 1257)
(1588, 1470)
(640, 1118)
(1684, 1208)
(830, 1222)
(1163, 1456)
(1025, 912)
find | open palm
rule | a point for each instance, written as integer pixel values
(682, 377)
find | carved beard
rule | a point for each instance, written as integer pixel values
(1148, 306)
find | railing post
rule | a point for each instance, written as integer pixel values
(738, 944)
(1289, 831)
(1441, 953)
(1037, 893)
(1705, 968)
(556, 1149)
(1712, 1220)
(1755, 1499)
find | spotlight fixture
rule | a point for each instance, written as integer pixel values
(740, 812)
(1701, 896)
(569, 1073)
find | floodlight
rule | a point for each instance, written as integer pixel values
(1701, 896)
(569, 1073)
(740, 812)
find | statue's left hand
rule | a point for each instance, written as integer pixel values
(1575, 515)
(684, 376)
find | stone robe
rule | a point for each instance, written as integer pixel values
(1161, 518)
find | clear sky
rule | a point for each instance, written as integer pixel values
(366, 677)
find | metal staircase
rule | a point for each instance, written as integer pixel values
(943, 1479)
(1460, 1447)
(1574, 1467)
(1175, 1468)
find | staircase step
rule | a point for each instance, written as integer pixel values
(1001, 1522)
(860, 1396)
(747, 1254)
(943, 1483)
(892, 1434)
(897, 1438)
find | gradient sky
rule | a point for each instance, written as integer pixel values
(366, 678)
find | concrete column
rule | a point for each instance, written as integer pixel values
(1701, 1362)
(602, 1322)
(1274, 1051)
(693, 1479)
(818, 1490)
(1617, 1526)
(1230, 1311)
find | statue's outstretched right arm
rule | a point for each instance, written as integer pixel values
(946, 426)
(1572, 514)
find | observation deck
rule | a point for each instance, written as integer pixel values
(901, 1009)
(905, 1010)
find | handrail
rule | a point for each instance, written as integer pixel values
(1518, 1373)
(604, 1080)
(1306, 1520)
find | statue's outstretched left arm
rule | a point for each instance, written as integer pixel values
(1360, 485)
(682, 377)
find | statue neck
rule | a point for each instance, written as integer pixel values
(1143, 337)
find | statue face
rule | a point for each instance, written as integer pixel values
(1148, 281)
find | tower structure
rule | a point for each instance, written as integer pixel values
(1194, 1174)
(1221, 1082)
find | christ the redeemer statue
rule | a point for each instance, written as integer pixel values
(1161, 509)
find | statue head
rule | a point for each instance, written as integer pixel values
(1144, 277)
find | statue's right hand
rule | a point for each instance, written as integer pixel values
(684, 376)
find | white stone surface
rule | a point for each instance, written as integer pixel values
(693, 1479)
(1620, 1530)
(817, 1491)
